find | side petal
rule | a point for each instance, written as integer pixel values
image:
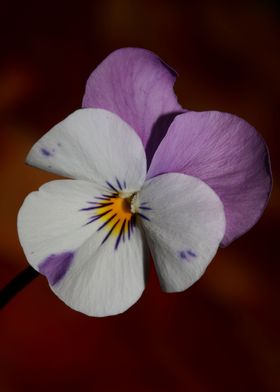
(88, 274)
(137, 85)
(95, 145)
(51, 220)
(184, 225)
(229, 155)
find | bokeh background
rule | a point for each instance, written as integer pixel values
(223, 333)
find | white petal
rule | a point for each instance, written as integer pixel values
(103, 281)
(92, 144)
(61, 240)
(51, 221)
(184, 225)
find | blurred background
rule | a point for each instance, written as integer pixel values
(223, 333)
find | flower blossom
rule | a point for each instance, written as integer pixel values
(146, 177)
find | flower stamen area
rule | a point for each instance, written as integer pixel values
(118, 212)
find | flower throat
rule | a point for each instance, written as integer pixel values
(118, 213)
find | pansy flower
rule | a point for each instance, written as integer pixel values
(146, 177)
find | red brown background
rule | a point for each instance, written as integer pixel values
(223, 333)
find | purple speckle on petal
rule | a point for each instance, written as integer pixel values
(186, 254)
(191, 253)
(55, 266)
(182, 254)
(46, 152)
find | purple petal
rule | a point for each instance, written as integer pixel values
(136, 85)
(55, 266)
(229, 155)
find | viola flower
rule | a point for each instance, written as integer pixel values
(146, 176)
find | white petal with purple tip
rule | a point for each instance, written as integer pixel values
(89, 266)
(95, 145)
(184, 227)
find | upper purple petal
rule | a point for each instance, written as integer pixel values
(229, 155)
(136, 85)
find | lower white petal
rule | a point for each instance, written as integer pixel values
(103, 281)
(72, 233)
(184, 224)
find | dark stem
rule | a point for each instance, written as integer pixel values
(17, 284)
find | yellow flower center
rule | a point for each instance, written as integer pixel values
(117, 213)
